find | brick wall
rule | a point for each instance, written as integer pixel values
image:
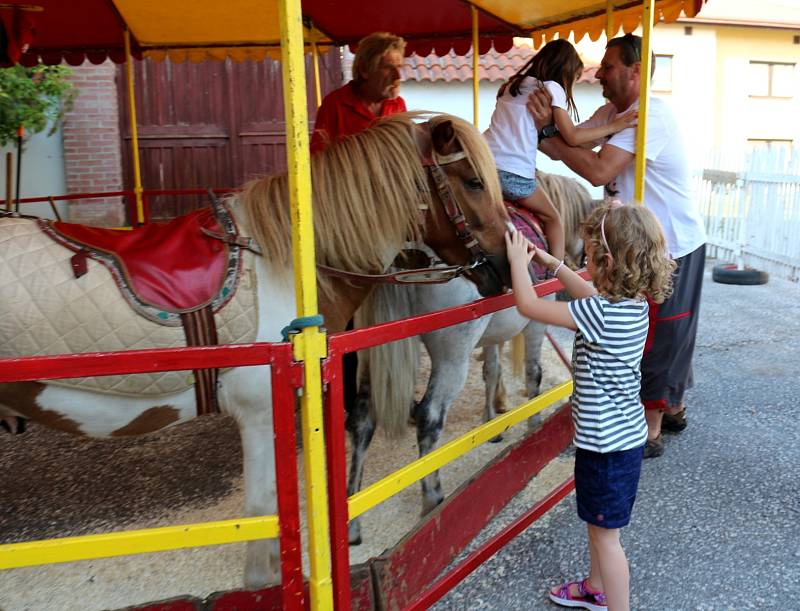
(92, 156)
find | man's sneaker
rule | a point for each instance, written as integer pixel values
(674, 423)
(654, 447)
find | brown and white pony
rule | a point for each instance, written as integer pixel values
(371, 194)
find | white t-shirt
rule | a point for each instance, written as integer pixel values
(667, 182)
(609, 342)
(512, 134)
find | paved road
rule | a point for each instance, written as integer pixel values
(717, 520)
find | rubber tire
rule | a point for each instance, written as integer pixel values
(726, 273)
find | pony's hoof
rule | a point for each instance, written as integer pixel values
(355, 541)
(497, 439)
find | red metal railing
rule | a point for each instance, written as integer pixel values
(286, 376)
(360, 339)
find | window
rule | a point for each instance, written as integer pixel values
(772, 80)
(662, 77)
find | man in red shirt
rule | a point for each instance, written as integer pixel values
(373, 92)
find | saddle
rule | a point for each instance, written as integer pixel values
(163, 269)
(529, 224)
(177, 273)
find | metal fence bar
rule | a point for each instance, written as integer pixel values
(752, 213)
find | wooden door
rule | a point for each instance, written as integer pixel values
(213, 124)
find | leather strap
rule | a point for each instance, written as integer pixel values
(200, 329)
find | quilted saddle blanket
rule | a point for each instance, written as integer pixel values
(45, 309)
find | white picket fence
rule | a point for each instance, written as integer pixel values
(752, 210)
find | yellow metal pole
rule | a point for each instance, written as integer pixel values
(315, 62)
(475, 65)
(137, 172)
(309, 345)
(644, 101)
(609, 20)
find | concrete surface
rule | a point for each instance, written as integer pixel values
(715, 524)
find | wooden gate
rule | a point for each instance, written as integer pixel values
(211, 124)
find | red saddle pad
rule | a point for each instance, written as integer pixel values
(171, 265)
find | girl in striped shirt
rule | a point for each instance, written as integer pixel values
(627, 260)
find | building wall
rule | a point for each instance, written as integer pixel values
(742, 117)
(42, 171)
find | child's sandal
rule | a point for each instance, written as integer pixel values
(585, 598)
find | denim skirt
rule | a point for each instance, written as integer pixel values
(606, 484)
(515, 187)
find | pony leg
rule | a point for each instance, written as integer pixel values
(534, 335)
(430, 414)
(262, 565)
(492, 377)
(361, 427)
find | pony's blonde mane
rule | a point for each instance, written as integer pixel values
(367, 192)
(574, 203)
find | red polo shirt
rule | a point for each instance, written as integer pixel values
(342, 114)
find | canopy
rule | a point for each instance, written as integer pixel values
(249, 29)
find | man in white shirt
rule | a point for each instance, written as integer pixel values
(666, 366)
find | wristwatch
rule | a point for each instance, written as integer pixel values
(548, 131)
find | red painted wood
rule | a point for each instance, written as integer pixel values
(413, 564)
(361, 594)
(173, 604)
(336, 458)
(211, 123)
(283, 410)
(490, 548)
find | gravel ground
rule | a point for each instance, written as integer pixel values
(715, 522)
(57, 485)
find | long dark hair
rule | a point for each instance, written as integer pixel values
(556, 61)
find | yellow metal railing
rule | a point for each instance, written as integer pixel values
(380, 491)
(126, 543)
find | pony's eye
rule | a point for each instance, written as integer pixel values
(474, 184)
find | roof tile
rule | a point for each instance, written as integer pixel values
(493, 66)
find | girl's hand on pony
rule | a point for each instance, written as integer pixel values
(518, 249)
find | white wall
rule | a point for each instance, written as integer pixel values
(456, 98)
(42, 172)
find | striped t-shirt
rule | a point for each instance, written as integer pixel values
(609, 342)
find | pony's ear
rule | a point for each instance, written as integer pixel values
(444, 138)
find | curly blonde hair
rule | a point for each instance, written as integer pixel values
(640, 265)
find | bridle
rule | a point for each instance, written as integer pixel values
(477, 257)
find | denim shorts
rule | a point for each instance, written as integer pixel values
(606, 484)
(515, 186)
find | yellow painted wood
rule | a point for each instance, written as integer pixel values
(476, 64)
(137, 172)
(644, 101)
(380, 491)
(71, 549)
(309, 345)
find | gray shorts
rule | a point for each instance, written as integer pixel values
(515, 186)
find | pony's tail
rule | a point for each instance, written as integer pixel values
(392, 368)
